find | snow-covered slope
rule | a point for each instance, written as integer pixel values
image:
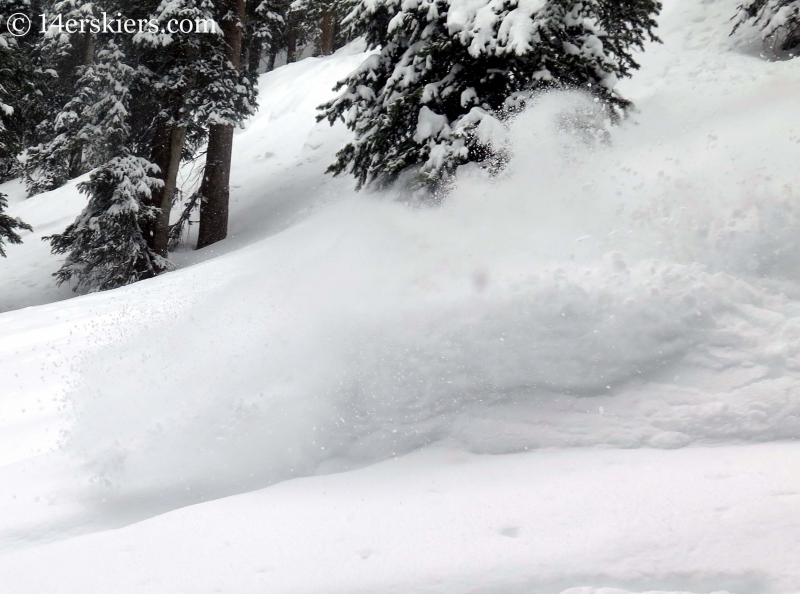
(696, 520)
(642, 294)
(278, 175)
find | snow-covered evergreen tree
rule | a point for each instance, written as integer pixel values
(175, 81)
(9, 226)
(223, 93)
(15, 85)
(9, 71)
(447, 73)
(113, 241)
(91, 128)
(322, 19)
(264, 31)
(106, 246)
(778, 20)
(185, 83)
(61, 58)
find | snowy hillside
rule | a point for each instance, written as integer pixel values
(582, 376)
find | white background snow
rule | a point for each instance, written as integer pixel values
(580, 377)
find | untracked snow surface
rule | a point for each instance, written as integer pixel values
(582, 376)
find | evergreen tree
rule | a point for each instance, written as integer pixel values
(106, 246)
(230, 99)
(64, 61)
(9, 226)
(16, 85)
(120, 237)
(179, 76)
(778, 20)
(9, 87)
(264, 32)
(111, 243)
(322, 18)
(185, 83)
(14, 82)
(447, 72)
(91, 127)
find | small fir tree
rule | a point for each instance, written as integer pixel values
(447, 73)
(106, 246)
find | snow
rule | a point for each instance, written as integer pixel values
(582, 376)
(446, 521)
(429, 124)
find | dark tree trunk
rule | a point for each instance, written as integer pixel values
(215, 188)
(167, 153)
(291, 41)
(88, 48)
(327, 28)
(273, 55)
(75, 162)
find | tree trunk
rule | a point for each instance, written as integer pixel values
(291, 41)
(273, 55)
(327, 28)
(215, 188)
(88, 48)
(75, 162)
(167, 155)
